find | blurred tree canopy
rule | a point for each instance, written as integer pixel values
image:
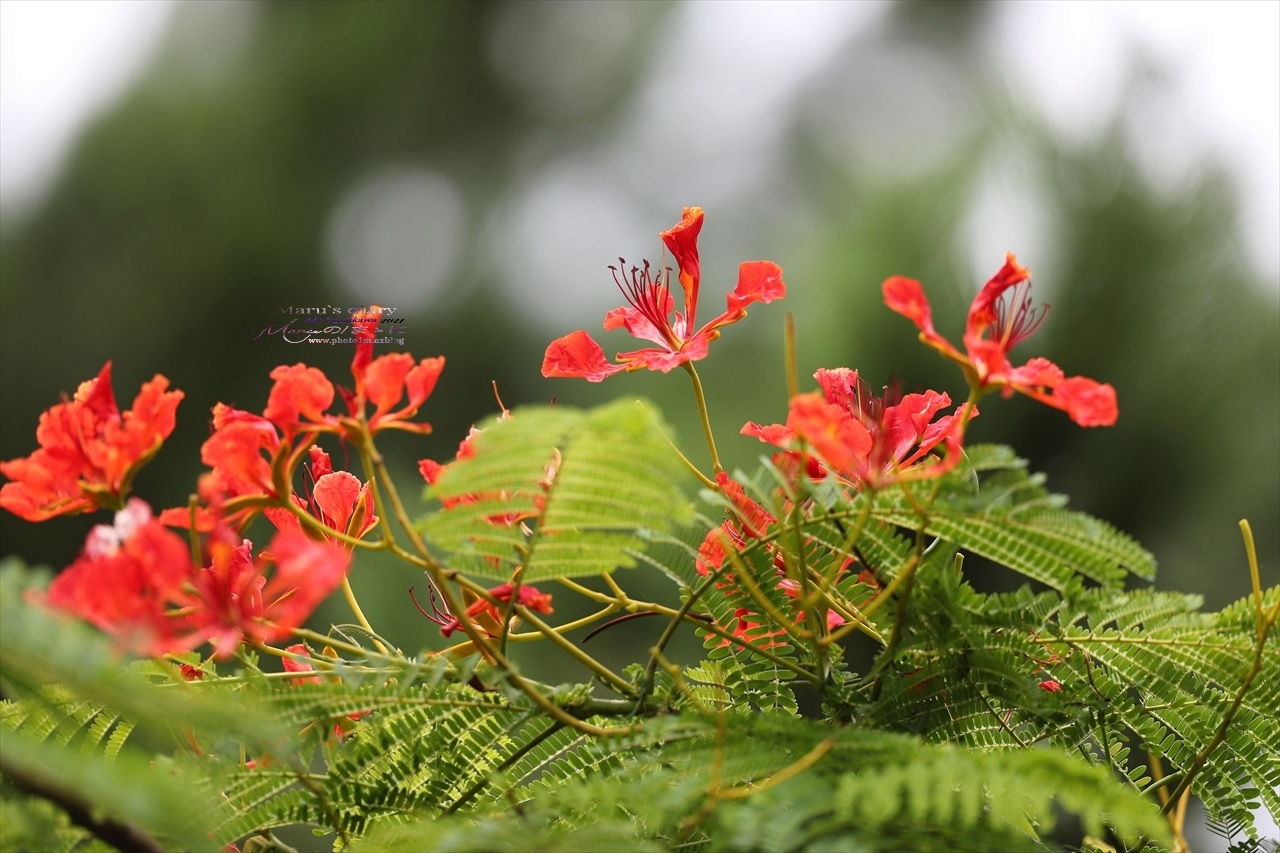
(201, 202)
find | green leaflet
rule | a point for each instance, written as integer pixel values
(1014, 521)
(616, 476)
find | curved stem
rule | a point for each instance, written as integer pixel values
(706, 419)
(350, 596)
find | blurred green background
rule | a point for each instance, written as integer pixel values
(478, 166)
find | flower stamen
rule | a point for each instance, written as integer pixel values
(648, 294)
(1017, 318)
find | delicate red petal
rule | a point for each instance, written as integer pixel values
(306, 572)
(775, 434)
(982, 312)
(430, 470)
(1087, 402)
(238, 466)
(639, 325)
(384, 380)
(758, 281)
(667, 360)
(577, 355)
(335, 495)
(840, 386)
(422, 379)
(293, 665)
(753, 518)
(321, 464)
(300, 392)
(906, 421)
(682, 240)
(830, 430)
(1051, 686)
(906, 296)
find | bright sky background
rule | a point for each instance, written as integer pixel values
(61, 63)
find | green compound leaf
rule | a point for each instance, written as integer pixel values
(562, 492)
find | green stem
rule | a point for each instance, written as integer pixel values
(350, 596)
(706, 419)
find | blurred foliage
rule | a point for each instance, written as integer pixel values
(199, 204)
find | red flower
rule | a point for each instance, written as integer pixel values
(750, 521)
(866, 439)
(648, 314)
(993, 328)
(135, 580)
(236, 601)
(295, 665)
(89, 452)
(485, 614)
(1051, 686)
(383, 381)
(129, 582)
(337, 499)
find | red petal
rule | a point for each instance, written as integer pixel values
(775, 434)
(682, 240)
(982, 312)
(1088, 403)
(577, 355)
(758, 281)
(834, 433)
(384, 380)
(306, 572)
(422, 379)
(299, 392)
(336, 495)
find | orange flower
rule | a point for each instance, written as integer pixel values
(337, 499)
(136, 581)
(89, 451)
(385, 380)
(994, 326)
(864, 439)
(648, 314)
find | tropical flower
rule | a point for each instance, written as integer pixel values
(998, 321)
(865, 439)
(129, 582)
(482, 612)
(648, 314)
(136, 580)
(385, 380)
(336, 498)
(246, 452)
(236, 601)
(89, 451)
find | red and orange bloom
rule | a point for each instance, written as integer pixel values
(89, 451)
(251, 454)
(482, 612)
(130, 582)
(1002, 315)
(136, 581)
(864, 439)
(337, 499)
(235, 601)
(648, 314)
(385, 380)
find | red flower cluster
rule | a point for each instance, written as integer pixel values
(863, 439)
(995, 325)
(251, 454)
(648, 313)
(135, 580)
(89, 452)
